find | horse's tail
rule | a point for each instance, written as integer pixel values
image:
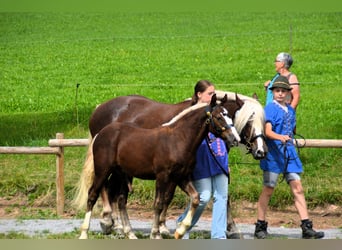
(86, 180)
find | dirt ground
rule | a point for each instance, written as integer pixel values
(326, 217)
(322, 217)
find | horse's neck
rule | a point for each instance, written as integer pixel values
(193, 128)
(179, 107)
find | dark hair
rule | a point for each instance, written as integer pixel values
(200, 86)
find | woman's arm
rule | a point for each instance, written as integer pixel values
(295, 91)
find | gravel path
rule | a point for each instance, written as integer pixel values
(41, 227)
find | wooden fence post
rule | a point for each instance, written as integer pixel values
(60, 177)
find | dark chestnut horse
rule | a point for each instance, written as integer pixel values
(147, 113)
(166, 153)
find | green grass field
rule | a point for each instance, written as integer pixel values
(43, 56)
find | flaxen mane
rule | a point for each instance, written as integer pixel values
(184, 112)
(252, 111)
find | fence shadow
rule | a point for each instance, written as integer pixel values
(20, 129)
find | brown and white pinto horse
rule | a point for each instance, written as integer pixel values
(166, 153)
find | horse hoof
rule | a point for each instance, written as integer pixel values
(106, 226)
(156, 237)
(234, 235)
(117, 228)
(132, 236)
(164, 230)
(83, 236)
(178, 236)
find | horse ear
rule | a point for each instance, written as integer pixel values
(224, 99)
(213, 100)
(238, 100)
(255, 96)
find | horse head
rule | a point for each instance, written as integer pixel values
(249, 120)
(220, 123)
(252, 132)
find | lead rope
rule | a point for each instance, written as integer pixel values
(286, 163)
(296, 142)
(218, 163)
(287, 159)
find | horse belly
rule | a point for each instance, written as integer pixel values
(136, 160)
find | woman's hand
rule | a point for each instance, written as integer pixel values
(266, 84)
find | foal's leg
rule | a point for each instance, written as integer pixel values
(162, 185)
(127, 228)
(118, 191)
(119, 184)
(170, 191)
(189, 189)
(93, 195)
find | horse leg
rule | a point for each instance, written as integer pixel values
(162, 219)
(232, 231)
(116, 183)
(117, 226)
(94, 192)
(118, 193)
(85, 226)
(127, 228)
(158, 205)
(183, 226)
(106, 222)
(109, 196)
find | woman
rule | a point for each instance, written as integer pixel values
(282, 64)
(210, 176)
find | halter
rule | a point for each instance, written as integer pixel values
(249, 143)
(218, 130)
(251, 139)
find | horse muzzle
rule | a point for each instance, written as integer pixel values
(259, 154)
(230, 140)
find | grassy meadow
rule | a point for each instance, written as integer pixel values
(56, 67)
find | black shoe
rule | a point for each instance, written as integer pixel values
(309, 233)
(260, 230)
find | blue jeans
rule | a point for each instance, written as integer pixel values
(218, 187)
(270, 178)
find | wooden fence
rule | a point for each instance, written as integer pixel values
(57, 145)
